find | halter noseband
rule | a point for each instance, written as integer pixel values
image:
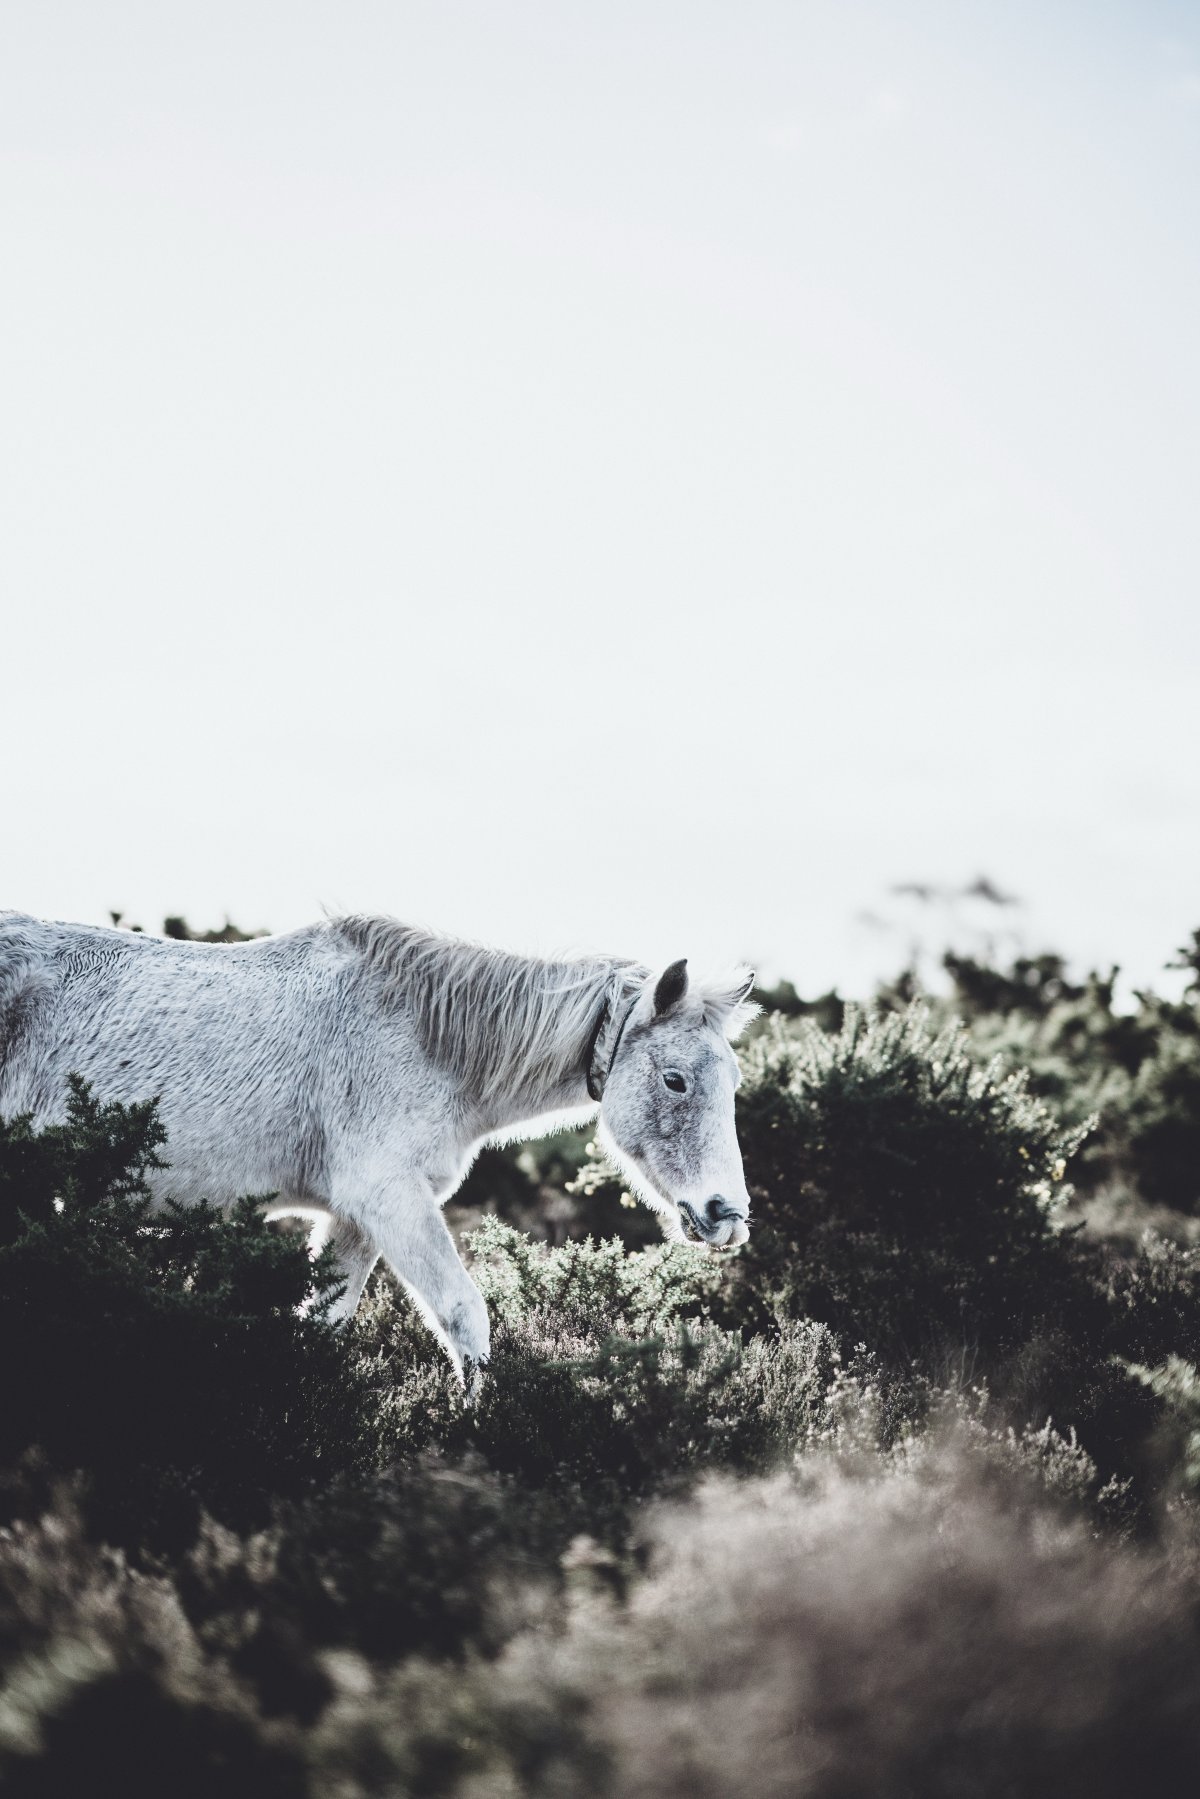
(597, 1080)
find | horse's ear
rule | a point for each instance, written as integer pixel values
(746, 988)
(672, 985)
(727, 1003)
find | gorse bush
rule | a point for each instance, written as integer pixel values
(177, 1355)
(588, 1291)
(902, 1194)
(181, 1356)
(1138, 1071)
(110, 1687)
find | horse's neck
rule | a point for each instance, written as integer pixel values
(536, 1110)
(558, 1087)
(549, 1095)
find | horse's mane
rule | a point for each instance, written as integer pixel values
(499, 1022)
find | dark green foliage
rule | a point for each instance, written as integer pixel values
(408, 1562)
(619, 1418)
(913, 1200)
(1138, 1070)
(182, 932)
(535, 1187)
(608, 1381)
(1155, 1301)
(147, 1742)
(1162, 1119)
(929, 1622)
(95, 1165)
(1033, 986)
(902, 1194)
(828, 1010)
(108, 1687)
(163, 1351)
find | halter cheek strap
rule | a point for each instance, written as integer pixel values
(597, 1078)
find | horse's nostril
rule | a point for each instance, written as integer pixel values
(718, 1209)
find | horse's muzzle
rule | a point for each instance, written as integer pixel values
(717, 1223)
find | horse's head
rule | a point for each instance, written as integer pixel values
(666, 1114)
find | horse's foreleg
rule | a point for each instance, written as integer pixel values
(415, 1240)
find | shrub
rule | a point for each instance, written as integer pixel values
(902, 1194)
(434, 1558)
(926, 1627)
(1177, 1383)
(164, 1351)
(911, 1633)
(606, 1371)
(107, 1685)
(717, 1524)
(1138, 1070)
(1162, 1122)
(1155, 1301)
(608, 1381)
(533, 1186)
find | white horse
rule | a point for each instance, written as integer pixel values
(355, 1067)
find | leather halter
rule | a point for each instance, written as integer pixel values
(597, 1079)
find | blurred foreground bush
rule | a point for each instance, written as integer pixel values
(923, 1623)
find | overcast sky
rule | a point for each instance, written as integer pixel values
(647, 476)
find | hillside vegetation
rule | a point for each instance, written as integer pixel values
(902, 1499)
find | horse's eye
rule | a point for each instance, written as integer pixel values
(675, 1082)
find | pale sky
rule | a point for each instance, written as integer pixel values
(646, 477)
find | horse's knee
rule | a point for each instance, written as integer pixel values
(468, 1328)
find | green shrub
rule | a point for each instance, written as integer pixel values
(1137, 1070)
(1162, 1121)
(1155, 1301)
(166, 1352)
(901, 1193)
(934, 1620)
(534, 1187)
(930, 1625)
(918, 1631)
(589, 1291)
(107, 1686)
(608, 1381)
(607, 1372)
(436, 1557)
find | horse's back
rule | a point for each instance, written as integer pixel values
(225, 1036)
